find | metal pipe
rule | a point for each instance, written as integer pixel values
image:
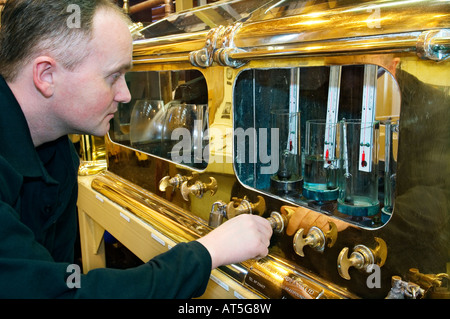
(146, 5)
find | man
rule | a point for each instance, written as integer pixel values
(59, 76)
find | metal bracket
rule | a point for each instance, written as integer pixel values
(434, 45)
(219, 45)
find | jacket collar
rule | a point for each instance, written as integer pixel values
(16, 144)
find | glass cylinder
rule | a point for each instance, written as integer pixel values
(321, 161)
(288, 176)
(390, 166)
(183, 131)
(358, 173)
(146, 123)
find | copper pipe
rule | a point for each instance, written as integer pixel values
(168, 5)
(146, 5)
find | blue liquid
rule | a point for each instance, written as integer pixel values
(358, 206)
(319, 182)
(319, 192)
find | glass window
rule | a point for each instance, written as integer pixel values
(167, 116)
(322, 137)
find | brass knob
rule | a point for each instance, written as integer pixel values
(175, 181)
(361, 258)
(198, 188)
(315, 238)
(240, 206)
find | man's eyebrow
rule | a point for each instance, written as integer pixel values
(127, 67)
(121, 68)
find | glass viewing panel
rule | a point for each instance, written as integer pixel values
(166, 117)
(322, 137)
(206, 17)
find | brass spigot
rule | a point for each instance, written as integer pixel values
(198, 188)
(362, 258)
(426, 280)
(126, 6)
(315, 238)
(240, 206)
(431, 283)
(176, 181)
(278, 222)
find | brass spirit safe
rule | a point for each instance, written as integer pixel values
(329, 118)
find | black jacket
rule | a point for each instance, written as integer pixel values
(38, 225)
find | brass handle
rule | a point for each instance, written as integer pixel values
(198, 188)
(361, 258)
(175, 181)
(243, 206)
(315, 238)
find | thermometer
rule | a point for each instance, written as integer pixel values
(332, 114)
(367, 118)
(293, 143)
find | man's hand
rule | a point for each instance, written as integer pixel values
(240, 238)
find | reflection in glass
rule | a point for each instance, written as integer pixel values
(390, 156)
(146, 124)
(321, 161)
(183, 132)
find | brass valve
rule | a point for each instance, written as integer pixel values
(278, 222)
(175, 181)
(426, 281)
(315, 238)
(198, 188)
(362, 258)
(240, 206)
(433, 284)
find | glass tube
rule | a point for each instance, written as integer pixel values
(358, 174)
(321, 161)
(288, 177)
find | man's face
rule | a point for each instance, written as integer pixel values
(89, 95)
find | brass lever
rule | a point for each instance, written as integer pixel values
(240, 206)
(315, 238)
(175, 181)
(198, 188)
(361, 258)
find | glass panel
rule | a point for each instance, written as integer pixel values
(206, 17)
(167, 116)
(337, 140)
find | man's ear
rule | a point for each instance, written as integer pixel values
(43, 75)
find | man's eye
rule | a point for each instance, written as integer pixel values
(114, 77)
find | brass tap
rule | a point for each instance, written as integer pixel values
(362, 258)
(431, 283)
(198, 188)
(176, 181)
(240, 206)
(278, 222)
(315, 238)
